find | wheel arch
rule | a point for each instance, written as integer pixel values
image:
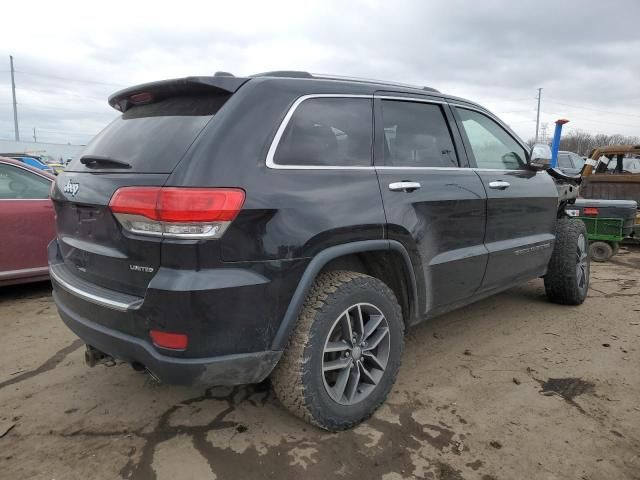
(359, 255)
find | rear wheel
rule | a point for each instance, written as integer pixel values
(600, 251)
(567, 278)
(344, 355)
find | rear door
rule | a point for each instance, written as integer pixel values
(26, 217)
(140, 148)
(521, 203)
(434, 207)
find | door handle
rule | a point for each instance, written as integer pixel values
(404, 186)
(499, 185)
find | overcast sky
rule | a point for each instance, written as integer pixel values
(584, 54)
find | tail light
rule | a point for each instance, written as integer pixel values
(177, 212)
(591, 211)
(173, 341)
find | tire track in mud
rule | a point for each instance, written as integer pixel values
(50, 364)
(395, 450)
(163, 431)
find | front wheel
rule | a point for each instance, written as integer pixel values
(567, 278)
(344, 355)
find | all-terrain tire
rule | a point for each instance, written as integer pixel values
(600, 251)
(567, 278)
(299, 380)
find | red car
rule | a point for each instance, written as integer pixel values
(27, 222)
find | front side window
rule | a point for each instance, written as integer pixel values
(416, 135)
(578, 161)
(329, 132)
(564, 161)
(492, 146)
(19, 184)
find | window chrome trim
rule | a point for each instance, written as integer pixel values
(456, 169)
(270, 162)
(23, 167)
(392, 167)
(285, 122)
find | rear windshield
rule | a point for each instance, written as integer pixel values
(151, 138)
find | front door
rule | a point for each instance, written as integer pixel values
(27, 221)
(521, 203)
(433, 207)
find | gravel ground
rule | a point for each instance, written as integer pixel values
(508, 388)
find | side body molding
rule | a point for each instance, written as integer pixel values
(319, 261)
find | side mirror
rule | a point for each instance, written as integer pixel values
(540, 156)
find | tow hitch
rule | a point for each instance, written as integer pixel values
(93, 357)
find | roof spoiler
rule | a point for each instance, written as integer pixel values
(150, 92)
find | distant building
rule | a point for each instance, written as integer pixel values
(59, 151)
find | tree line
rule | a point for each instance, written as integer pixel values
(583, 143)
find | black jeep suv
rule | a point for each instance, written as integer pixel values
(226, 229)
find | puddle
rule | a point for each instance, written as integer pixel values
(567, 388)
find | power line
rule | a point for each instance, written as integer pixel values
(597, 121)
(70, 79)
(65, 92)
(595, 109)
(515, 111)
(65, 131)
(46, 107)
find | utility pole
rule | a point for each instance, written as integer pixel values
(538, 115)
(15, 106)
(35, 139)
(544, 127)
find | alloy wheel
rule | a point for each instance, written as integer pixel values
(356, 353)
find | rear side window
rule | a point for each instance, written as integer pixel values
(19, 184)
(153, 138)
(330, 132)
(416, 135)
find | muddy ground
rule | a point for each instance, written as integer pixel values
(509, 388)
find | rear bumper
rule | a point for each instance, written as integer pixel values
(220, 370)
(230, 315)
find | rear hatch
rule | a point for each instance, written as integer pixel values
(142, 147)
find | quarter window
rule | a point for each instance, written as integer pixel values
(416, 135)
(18, 183)
(492, 146)
(332, 132)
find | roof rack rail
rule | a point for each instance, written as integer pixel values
(303, 74)
(370, 80)
(284, 73)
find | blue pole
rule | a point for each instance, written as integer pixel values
(555, 146)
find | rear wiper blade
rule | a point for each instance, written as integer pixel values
(103, 161)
